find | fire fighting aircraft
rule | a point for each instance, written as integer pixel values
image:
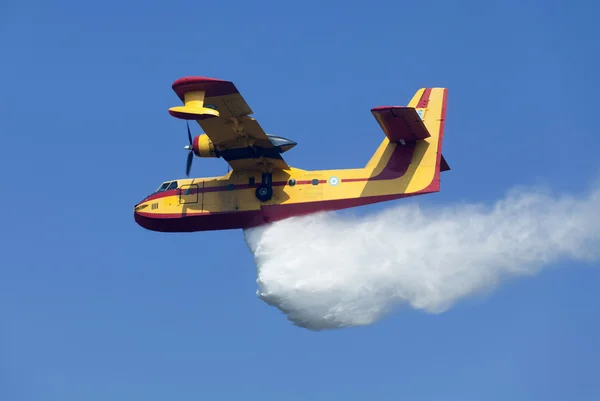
(262, 188)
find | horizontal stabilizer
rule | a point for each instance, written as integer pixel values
(400, 123)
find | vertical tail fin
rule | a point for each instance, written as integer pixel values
(420, 123)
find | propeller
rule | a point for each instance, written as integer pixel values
(190, 148)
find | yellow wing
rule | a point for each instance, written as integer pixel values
(224, 116)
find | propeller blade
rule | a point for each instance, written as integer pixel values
(188, 166)
(189, 133)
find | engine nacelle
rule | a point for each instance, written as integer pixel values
(203, 146)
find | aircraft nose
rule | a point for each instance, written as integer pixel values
(136, 215)
(147, 220)
(138, 218)
(139, 206)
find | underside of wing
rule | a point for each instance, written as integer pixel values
(224, 116)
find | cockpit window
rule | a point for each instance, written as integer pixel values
(163, 187)
(166, 186)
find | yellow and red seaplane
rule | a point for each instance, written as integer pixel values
(262, 188)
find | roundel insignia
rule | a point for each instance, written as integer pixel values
(333, 181)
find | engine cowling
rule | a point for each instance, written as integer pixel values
(203, 146)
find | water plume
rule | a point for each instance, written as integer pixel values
(327, 270)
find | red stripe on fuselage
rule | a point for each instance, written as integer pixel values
(202, 189)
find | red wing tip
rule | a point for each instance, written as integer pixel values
(212, 86)
(195, 80)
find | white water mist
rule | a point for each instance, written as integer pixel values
(326, 271)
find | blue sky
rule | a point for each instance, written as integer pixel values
(95, 308)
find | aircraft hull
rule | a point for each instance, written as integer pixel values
(252, 218)
(407, 163)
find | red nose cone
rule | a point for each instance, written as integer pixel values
(195, 146)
